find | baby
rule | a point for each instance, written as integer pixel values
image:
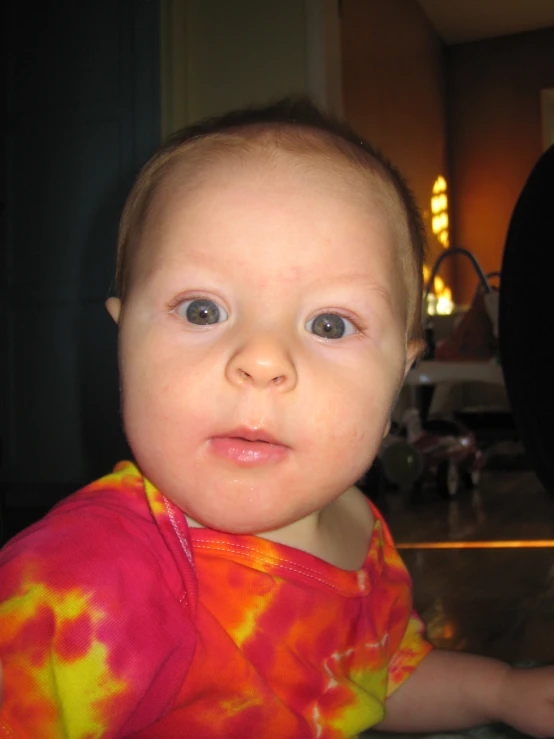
(233, 581)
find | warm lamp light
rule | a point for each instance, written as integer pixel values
(439, 209)
(439, 203)
(439, 302)
(440, 185)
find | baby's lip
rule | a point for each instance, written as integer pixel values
(249, 434)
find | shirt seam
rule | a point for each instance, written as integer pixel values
(249, 553)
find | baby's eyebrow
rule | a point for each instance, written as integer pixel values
(367, 283)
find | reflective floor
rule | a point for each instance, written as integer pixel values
(490, 591)
(496, 599)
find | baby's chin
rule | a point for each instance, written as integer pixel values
(244, 522)
(241, 526)
(259, 508)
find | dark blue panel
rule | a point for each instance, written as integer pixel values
(83, 115)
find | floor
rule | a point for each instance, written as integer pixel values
(489, 586)
(490, 590)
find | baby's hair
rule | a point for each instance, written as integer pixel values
(293, 125)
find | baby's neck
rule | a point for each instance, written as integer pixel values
(338, 534)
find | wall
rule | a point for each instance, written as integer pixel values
(393, 91)
(238, 54)
(494, 138)
(217, 56)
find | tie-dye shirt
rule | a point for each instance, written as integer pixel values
(118, 620)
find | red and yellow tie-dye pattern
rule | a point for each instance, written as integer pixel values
(117, 620)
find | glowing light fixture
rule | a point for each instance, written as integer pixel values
(439, 209)
(439, 302)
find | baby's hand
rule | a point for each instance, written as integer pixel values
(526, 700)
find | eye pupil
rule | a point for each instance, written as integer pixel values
(329, 326)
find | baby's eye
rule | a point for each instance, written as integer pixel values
(202, 311)
(331, 326)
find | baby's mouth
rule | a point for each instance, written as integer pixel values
(248, 447)
(252, 435)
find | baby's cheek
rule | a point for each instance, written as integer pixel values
(350, 440)
(365, 424)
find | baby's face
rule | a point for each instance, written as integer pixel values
(262, 345)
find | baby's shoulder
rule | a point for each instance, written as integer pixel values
(81, 592)
(91, 541)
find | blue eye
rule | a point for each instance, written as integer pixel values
(331, 326)
(202, 312)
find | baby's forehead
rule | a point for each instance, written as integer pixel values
(313, 163)
(268, 159)
(284, 192)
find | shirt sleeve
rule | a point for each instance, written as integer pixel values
(405, 629)
(94, 641)
(413, 648)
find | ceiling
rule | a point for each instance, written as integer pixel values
(459, 21)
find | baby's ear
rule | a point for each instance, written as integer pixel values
(113, 306)
(414, 351)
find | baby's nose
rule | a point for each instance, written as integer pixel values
(263, 362)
